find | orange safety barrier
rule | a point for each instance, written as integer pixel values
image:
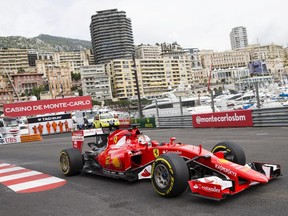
(31, 138)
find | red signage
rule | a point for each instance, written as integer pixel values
(237, 118)
(47, 106)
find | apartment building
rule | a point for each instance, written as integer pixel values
(59, 80)
(238, 37)
(144, 51)
(194, 54)
(224, 60)
(122, 75)
(111, 36)
(25, 82)
(47, 56)
(155, 76)
(76, 59)
(6, 96)
(96, 82)
(13, 61)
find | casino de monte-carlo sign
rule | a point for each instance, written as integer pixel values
(32, 108)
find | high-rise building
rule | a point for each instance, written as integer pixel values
(111, 36)
(238, 37)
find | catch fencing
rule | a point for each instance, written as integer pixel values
(263, 117)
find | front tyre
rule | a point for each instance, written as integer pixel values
(232, 152)
(71, 162)
(170, 175)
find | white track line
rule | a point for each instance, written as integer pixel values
(20, 175)
(35, 183)
(11, 169)
(4, 164)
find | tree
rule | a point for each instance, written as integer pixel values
(75, 76)
(21, 70)
(37, 90)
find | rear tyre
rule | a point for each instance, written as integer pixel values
(170, 175)
(71, 162)
(232, 152)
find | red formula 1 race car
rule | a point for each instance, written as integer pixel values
(172, 166)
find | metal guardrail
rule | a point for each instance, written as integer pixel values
(269, 117)
(174, 121)
(263, 117)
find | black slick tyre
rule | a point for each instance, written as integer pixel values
(232, 151)
(71, 162)
(170, 175)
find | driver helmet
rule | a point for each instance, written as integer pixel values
(144, 140)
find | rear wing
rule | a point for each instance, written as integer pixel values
(79, 136)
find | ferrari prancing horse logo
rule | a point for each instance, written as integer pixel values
(156, 152)
(115, 139)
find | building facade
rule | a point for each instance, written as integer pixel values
(147, 51)
(155, 76)
(25, 82)
(238, 37)
(13, 61)
(111, 36)
(96, 82)
(76, 59)
(59, 80)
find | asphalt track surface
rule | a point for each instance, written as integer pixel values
(94, 195)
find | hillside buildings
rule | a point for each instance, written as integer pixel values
(156, 72)
(108, 71)
(111, 36)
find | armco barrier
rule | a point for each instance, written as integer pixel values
(31, 138)
(174, 121)
(269, 117)
(264, 117)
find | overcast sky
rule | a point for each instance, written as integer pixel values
(203, 24)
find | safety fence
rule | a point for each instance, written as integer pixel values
(264, 117)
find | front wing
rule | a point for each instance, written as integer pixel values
(213, 187)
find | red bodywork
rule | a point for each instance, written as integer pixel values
(124, 153)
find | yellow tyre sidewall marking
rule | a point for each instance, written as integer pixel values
(68, 167)
(171, 176)
(223, 147)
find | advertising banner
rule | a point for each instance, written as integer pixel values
(257, 67)
(31, 108)
(125, 123)
(12, 139)
(237, 118)
(144, 122)
(50, 124)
